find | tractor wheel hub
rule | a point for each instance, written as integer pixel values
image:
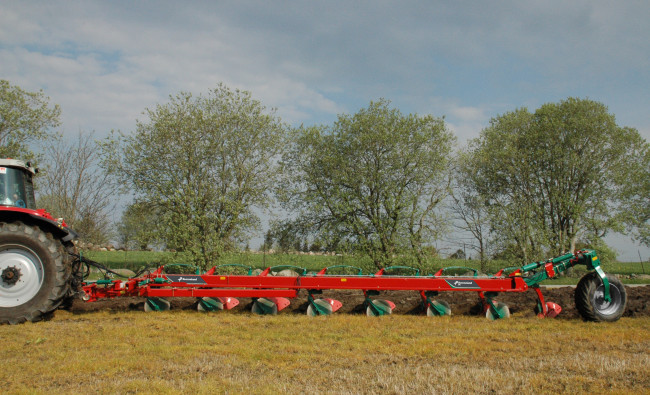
(11, 275)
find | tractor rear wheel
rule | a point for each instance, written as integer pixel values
(34, 273)
(590, 298)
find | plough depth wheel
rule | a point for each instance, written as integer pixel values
(590, 298)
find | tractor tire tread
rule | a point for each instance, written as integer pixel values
(58, 288)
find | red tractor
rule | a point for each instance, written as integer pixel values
(36, 266)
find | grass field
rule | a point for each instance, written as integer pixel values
(136, 260)
(189, 352)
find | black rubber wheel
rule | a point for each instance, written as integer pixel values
(590, 300)
(75, 275)
(34, 273)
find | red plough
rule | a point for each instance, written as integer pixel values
(271, 290)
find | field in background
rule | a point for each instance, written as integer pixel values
(137, 260)
(189, 352)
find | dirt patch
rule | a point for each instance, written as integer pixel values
(406, 302)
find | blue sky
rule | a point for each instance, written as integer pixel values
(104, 62)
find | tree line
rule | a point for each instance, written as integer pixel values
(201, 170)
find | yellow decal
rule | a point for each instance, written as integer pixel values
(344, 280)
(222, 278)
(594, 258)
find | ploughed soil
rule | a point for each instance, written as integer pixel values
(406, 302)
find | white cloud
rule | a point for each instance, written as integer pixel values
(104, 62)
(107, 61)
(466, 122)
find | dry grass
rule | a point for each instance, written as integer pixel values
(188, 352)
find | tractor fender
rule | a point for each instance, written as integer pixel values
(40, 218)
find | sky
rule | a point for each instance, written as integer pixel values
(105, 62)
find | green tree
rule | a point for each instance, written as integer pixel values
(287, 234)
(315, 246)
(636, 195)
(268, 241)
(371, 181)
(73, 186)
(137, 228)
(469, 211)
(553, 177)
(459, 254)
(494, 171)
(25, 118)
(202, 163)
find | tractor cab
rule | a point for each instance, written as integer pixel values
(16, 187)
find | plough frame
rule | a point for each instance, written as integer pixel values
(210, 284)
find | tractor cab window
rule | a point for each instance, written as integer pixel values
(16, 188)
